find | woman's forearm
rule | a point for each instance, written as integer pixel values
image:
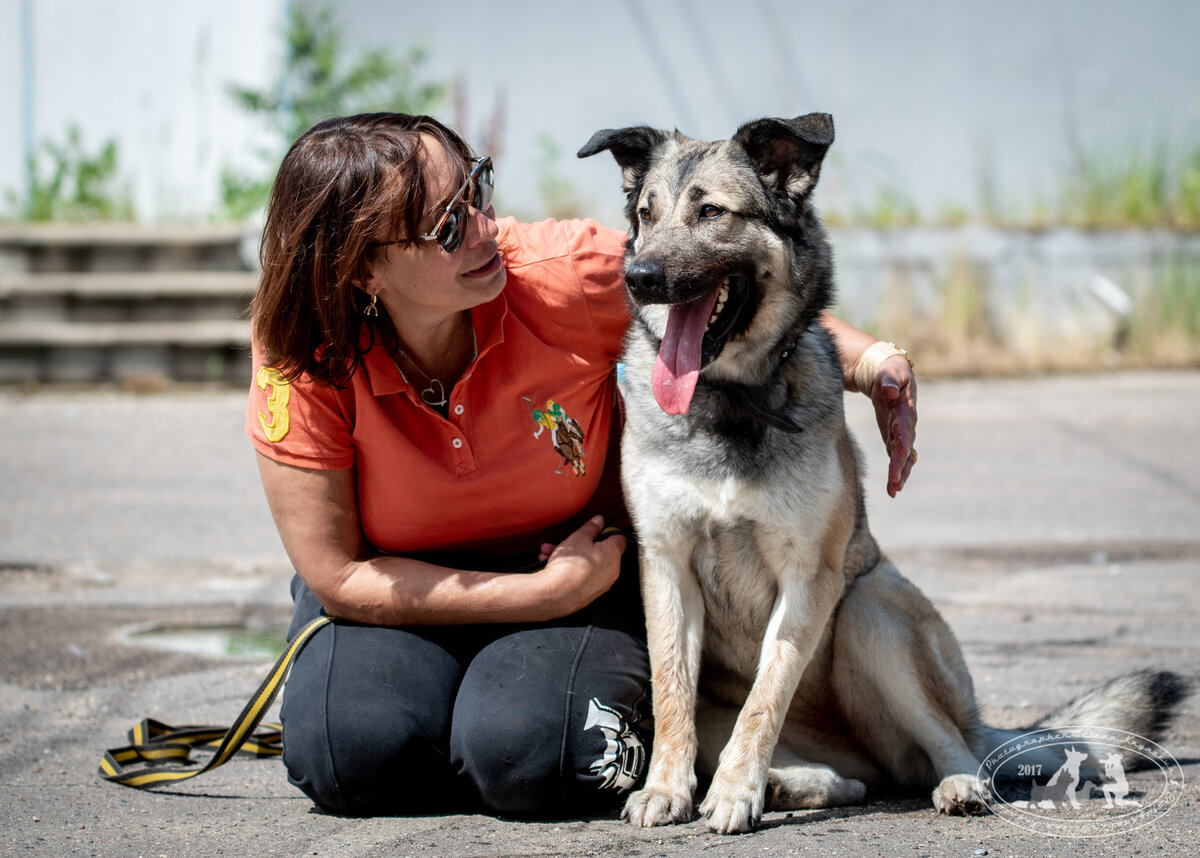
(397, 591)
(850, 342)
(393, 591)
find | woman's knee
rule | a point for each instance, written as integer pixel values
(358, 737)
(363, 761)
(538, 731)
(550, 768)
(511, 771)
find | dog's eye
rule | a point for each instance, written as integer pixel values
(709, 211)
(644, 214)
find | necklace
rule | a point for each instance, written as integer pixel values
(434, 395)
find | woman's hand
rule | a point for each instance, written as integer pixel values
(579, 569)
(894, 395)
(883, 373)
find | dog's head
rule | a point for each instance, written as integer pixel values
(1074, 758)
(726, 259)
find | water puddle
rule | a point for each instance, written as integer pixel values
(217, 641)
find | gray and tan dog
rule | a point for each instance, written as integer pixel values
(777, 629)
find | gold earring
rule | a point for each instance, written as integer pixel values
(371, 310)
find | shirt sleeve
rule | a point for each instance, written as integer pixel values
(598, 254)
(304, 422)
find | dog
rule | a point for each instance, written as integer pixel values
(1063, 786)
(780, 636)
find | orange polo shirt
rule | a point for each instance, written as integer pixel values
(528, 450)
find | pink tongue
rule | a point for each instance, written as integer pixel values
(678, 364)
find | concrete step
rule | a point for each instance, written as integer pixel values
(146, 353)
(93, 303)
(128, 296)
(128, 284)
(196, 332)
(125, 247)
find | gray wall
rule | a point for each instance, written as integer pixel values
(931, 97)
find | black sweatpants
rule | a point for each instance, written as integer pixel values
(532, 720)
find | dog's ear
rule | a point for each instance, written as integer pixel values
(631, 147)
(788, 152)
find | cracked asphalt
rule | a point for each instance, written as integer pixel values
(1055, 522)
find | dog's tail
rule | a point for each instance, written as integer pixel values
(1142, 703)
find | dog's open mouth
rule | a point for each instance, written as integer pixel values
(696, 332)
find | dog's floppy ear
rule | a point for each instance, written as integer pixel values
(788, 152)
(630, 146)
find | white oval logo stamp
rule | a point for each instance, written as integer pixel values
(1075, 781)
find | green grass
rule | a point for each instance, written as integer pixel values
(1165, 323)
(1153, 187)
(1147, 188)
(958, 333)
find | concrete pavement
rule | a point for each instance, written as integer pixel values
(1054, 521)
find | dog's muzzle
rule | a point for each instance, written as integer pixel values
(646, 280)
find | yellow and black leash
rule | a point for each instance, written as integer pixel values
(155, 749)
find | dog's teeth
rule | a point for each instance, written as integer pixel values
(722, 297)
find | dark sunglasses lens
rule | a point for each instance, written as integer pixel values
(484, 185)
(450, 234)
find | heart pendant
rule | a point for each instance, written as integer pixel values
(435, 394)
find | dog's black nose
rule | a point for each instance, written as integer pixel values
(645, 278)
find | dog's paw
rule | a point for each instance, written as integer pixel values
(960, 795)
(811, 787)
(732, 809)
(649, 807)
(849, 791)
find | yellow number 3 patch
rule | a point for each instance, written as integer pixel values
(277, 427)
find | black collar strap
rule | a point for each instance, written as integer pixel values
(772, 418)
(768, 416)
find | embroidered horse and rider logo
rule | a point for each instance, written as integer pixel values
(565, 434)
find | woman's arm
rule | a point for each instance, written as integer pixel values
(893, 390)
(316, 513)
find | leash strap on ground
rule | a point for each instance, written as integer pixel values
(155, 748)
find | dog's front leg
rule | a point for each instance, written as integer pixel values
(674, 629)
(802, 609)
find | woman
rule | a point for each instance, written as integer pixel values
(435, 408)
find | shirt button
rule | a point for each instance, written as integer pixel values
(457, 443)
(458, 409)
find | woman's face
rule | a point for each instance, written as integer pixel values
(423, 281)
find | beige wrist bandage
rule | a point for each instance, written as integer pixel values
(868, 364)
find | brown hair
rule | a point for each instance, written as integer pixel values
(344, 183)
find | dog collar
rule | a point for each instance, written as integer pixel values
(769, 416)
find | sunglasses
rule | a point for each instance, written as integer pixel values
(452, 225)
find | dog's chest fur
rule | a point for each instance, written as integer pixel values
(737, 505)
